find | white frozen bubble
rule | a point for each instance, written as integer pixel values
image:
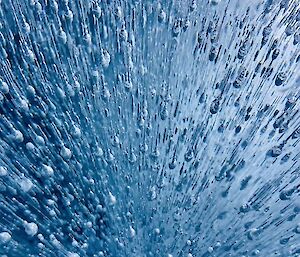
(30, 146)
(105, 58)
(18, 136)
(48, 170)
(112, 198)
(30, 228)
(4, 87)
(76, 132)
(65, 153)
(3, 171)
(5, 237)
(132, 231)
(25, 184)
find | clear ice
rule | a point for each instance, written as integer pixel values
(136, 128)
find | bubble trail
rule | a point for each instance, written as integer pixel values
(143, 128)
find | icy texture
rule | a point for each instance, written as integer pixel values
(146, 128)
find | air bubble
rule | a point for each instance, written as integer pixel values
(105, 58)
(162, 16)
(31, 228)
(113, 199)
(65, 153)
(4, 87)
(5, 237)
(25, 184)
(3, 171)
(281, 77)
(189, 155)
(48, 170)
(215, 105)
(62, 36)
(176, 28)
(18, 136)
(275, 151)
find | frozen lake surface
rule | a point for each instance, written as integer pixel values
(135, 128)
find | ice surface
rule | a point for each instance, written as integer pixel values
(149, 128)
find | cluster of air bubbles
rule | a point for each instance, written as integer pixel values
(149, 128)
